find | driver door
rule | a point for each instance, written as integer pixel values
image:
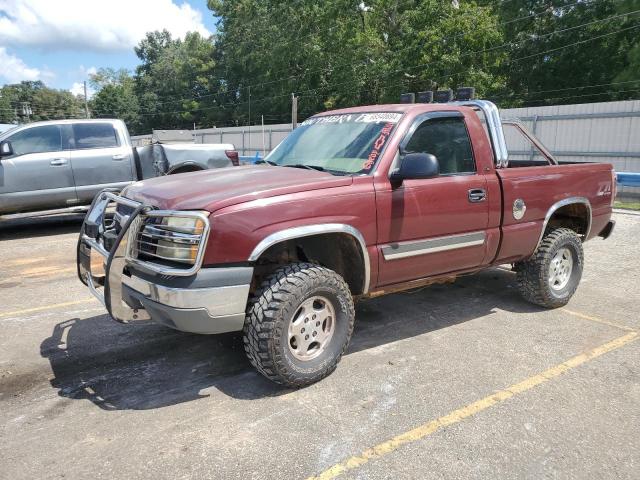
(38, 175)
(432, 226)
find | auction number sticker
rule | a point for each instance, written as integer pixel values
(376, 117)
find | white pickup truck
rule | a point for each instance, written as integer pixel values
(59, 166)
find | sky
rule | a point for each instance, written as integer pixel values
(62, 42)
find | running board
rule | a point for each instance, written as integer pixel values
(44, 213)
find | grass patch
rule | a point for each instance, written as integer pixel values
(627, 205)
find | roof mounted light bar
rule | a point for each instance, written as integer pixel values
(408, 98)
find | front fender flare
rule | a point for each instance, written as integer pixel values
(318, 229)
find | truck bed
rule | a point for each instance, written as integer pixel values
(543, 187)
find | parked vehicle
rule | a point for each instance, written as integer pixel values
(354, 203)
(60, 164)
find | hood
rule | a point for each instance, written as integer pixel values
(215, 189)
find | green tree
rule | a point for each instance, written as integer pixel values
(558, 45)
(115, 97)
(338, 53)
(174, 84)
(629, 78)
(7, 110)
(33, 101)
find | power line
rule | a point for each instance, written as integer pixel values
(450, 37)
(303, 92)
(570, 88)
(484, 51)
(609, 92)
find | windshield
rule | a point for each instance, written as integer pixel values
(340, 144)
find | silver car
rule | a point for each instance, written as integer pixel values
(57, 165)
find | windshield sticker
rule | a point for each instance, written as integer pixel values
(377, 117)
(378, 145)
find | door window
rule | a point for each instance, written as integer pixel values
(448, 140)
(46, 138)
(94, 135)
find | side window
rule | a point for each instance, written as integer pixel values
(46, 138)
(448, 140)
(522, 151)
(94, 135)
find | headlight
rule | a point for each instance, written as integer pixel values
(175, 237)
(183, 241)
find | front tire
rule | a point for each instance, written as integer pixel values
(299, 324)
(551, 276)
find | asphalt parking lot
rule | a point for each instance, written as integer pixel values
(453, 381)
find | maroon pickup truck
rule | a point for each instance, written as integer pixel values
(353, 203)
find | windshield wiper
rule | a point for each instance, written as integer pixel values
(268, 162)
(308, 167)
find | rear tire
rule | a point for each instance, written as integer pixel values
(299, 324)
(551, 276)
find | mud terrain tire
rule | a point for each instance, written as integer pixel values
(293, 294)
(551, 276)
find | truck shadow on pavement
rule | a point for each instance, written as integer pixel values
(147, 366)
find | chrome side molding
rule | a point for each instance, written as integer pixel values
(414, 248)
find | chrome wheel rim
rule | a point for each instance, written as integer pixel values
(311, 328)
(560, 269)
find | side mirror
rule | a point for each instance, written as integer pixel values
(415, 166)
(6, 149)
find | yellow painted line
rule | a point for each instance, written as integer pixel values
(27, 261)
(597, 320)
(44, 308)
(460, 414)
(42, 270)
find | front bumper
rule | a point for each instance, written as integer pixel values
(210, 300)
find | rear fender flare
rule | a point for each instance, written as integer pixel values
(563, 203)
(189, 164)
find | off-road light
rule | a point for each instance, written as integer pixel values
(407, 98)
(465, 93)
(443, 96)
(425, 97)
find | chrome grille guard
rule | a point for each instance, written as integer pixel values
(115, 245)
(93, 235)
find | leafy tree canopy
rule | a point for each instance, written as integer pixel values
(339, 53)
(33, 101)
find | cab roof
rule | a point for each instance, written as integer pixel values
(394, 107)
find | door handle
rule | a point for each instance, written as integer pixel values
(477, 195)
(118, 156)
(58, 161)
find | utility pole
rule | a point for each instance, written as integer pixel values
(263, 149)
(249, 88)
(294, 111)
(86, 105)
(26, 111)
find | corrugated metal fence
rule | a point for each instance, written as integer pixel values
(247, 140)
(592, 132)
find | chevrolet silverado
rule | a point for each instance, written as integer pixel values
(354, 203)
